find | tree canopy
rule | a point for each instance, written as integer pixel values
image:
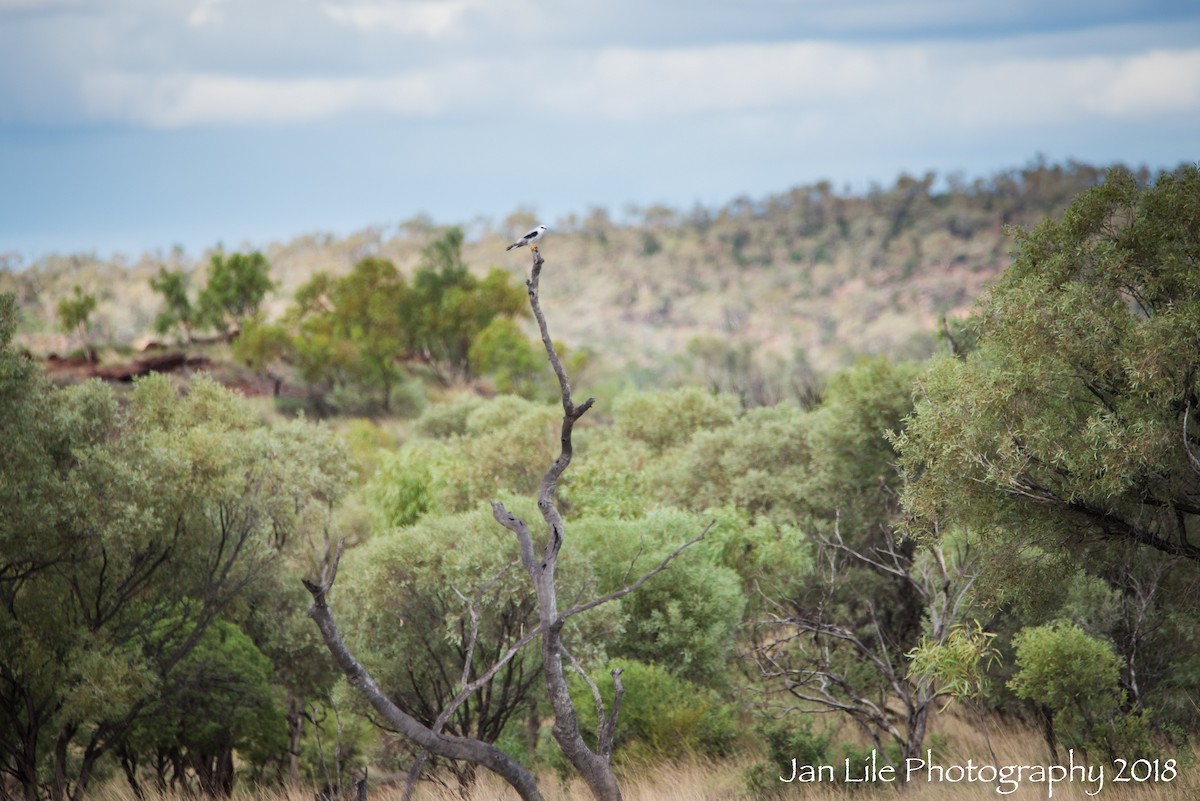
(1075, 418)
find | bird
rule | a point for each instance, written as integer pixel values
(530, 238)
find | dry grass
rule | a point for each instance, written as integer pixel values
(726, 781)
(693, 780)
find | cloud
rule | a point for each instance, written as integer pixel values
(430, 19)
(185, 100)
(1155, 81)
(920, 85)
(208, 12)
(21, 6)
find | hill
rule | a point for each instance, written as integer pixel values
(809, 276)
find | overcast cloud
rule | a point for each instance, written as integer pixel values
(130, 124)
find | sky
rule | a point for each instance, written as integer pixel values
(138, 125)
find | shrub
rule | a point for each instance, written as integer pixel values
(662, 716)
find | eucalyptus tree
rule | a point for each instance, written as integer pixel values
(125, 531)
(1076, 418)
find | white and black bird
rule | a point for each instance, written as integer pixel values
(531, 239)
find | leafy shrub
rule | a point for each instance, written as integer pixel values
(662, 716)
(683, 618)
(785, 743)
(667, 418)
(444, 420)
(1078, 678)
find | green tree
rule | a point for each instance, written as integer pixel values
(124, 532)
(502, 351)
(219, 701)
(449, 306)
(74, 312)
(1076, 416)
(262, 346)
(663, 716)
(367, 308)
(1074, 679)
(350, 333)
(236, 286)
(667, 418)
(412, 594)
(179, 313)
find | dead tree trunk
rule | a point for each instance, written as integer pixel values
(595, 767)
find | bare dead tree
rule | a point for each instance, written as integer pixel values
(814, 651)
(594, 766)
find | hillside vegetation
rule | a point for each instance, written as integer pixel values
(813, 274)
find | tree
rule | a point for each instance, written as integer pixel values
(74, 312)
(1074, 679)
(1076, 417)
(236, 286)
(502, 351)
(836, 648)
(433, 603)
(125, 531)
(367, 307)
(179, 313)
(262, 346)
(350, 333)
(836, 637)
(449, 307)
(219, 700)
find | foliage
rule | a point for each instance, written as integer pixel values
(663, 716)
(450, 307)
(179, 312)
(506, 445)
(75, 311)
(358, 331)
(448, 418)
(126, 530)
(959, 665)
(759, 463)
(667, 418)
(218, 700)
(408, 614)
(261, 344)
(235, 288)
(401, 490)
(502, 351)
(1077, 679)
(1075, 416)
(683, 619)
(784, 743)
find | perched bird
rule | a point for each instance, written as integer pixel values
(530, 239)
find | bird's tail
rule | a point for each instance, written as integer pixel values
(513, 245)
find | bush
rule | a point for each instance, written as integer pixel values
(667, 418)
(785, 743)
(684, 618)
(444, 420)
(1078, 678)
(662, 716)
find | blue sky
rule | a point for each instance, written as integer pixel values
(130, 125)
